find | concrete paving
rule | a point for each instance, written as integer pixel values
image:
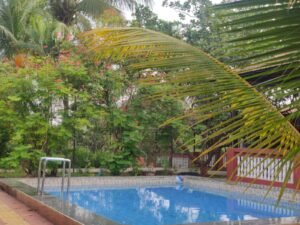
(13, 212)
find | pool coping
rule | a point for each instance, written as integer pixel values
(50, 207)
(25, 195)
(61, 213)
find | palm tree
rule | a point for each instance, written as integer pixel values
(81, 12)
(25, 26)
(42, 35)
(220, 91)
(14, 19)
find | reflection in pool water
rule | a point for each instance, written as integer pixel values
(171, 205)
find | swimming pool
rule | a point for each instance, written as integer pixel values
(166, 205)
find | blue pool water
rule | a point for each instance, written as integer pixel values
(171, 205)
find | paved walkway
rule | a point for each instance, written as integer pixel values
(13, 212)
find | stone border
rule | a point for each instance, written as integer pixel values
(17, 187)
(105, 181)
(219, 185)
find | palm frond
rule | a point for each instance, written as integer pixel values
(96, 7)
(5, 32)
(93, 7)
(264, 34)
(42, 34)
(15, 19)
(83, 23)
(127, 4)
(30, 8)
(262, 30)
(193, 73)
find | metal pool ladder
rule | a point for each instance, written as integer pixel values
(42, 168)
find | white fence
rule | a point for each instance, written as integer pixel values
(263, 168)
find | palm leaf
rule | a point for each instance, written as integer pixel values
(93, 7)
(5, 32)
(193, 73)
(128, 4)
(264, 34)
(83, 22)
(268, 29)
(15, 19)
(96, 7)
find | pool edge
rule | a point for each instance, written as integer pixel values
(61, 219)
(41, 208)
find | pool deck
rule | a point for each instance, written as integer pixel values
(13, 212)
(62, 213)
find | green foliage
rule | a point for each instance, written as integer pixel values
(85, 158)
(111, 18)
(191, 73)
(29, 97)
(198, 24)
(79, 110)
(151, 114)
(263, 34)
(15, 173)
(201, 30)
(82, 12)
(117, 162)
(22, 157)
(145, 18)
(25, 26)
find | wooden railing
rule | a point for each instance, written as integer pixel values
(260, 167)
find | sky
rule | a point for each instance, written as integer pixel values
(164, 13)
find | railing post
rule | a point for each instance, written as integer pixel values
(39, 175)
(231, 164)
(297, 177)
(44, 166)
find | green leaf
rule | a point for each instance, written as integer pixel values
(14, 98)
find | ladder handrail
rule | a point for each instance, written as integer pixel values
(42, 168)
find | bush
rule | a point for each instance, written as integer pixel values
(116, 162)
(84, 158)
(22, 157)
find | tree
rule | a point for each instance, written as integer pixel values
(71, 12)
(96, 129)
(145, 18)
(151, 114)
(192, 72)
(15, 18)
(40, 26)
(201, 30)
(26, 27)
(111, 18)
(36, 124)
